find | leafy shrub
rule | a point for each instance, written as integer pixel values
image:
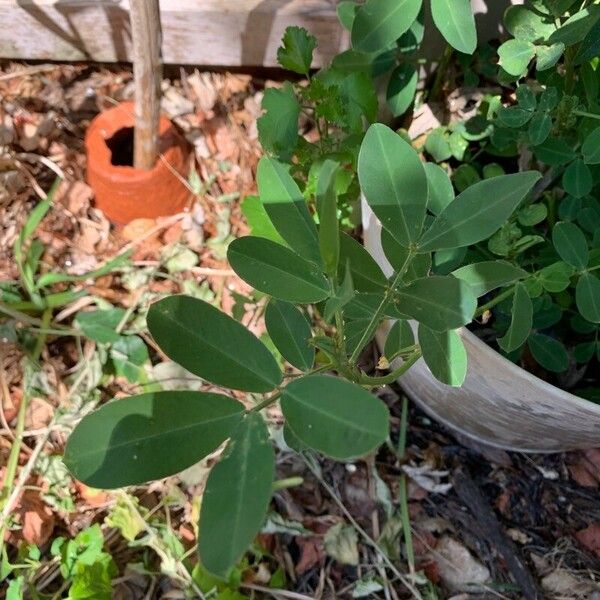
(312, 269)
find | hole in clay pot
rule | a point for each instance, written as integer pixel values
(121, 147)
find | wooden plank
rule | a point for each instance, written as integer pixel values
(202, 32)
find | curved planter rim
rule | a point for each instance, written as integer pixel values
(500, 404)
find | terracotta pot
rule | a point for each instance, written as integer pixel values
(499, 404)
(122, 192)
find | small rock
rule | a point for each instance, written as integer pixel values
(458, 569)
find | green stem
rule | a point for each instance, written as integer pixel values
(406, 528)
(440, 74)
(502, 296)
(380, 312)
(266, 402)
(403, 428)
(283, 484)
(582, 113)
(393, 375)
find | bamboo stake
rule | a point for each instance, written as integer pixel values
(147, 75)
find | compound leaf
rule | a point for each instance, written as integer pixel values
(237, 496)
(587, 297)
(521, 320)
(394, 183)
(150, 436)
(439, 302)
(212, 345)
(483, 277)
(455, 20)
(338, 418)
(445, 355)
(379, 23)
(276, 270)
(570, 243)
(290, 331)
(286, 207)
(478, 212)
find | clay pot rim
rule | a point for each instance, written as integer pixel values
(103, 127)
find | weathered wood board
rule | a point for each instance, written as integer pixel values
(202, 32)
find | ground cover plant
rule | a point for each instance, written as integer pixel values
(549, 319)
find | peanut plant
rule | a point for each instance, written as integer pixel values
(327, 298)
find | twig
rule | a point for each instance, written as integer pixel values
(276, 593)
(28, 71)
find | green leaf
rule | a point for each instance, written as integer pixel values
(343, 294)
(259, 221)
(515, 56)
(329, 237)
(212, 345)
(278, 127)
(346, 11)
(458, 145)
(583, 352)
(401, 88)
(576, 27)
(465, 176)
(521, 320)
(445, 355)
(548, 352)
(577, 179)
(394, 183)
(296, 51)
(478, 212)
(150, 436)
(100, 325)
(587, 297)
(556, 277)
(483, 277)
(539, 128)
(590, 46)
(570, 243)
(513, 116)
(528, 25)
(276, 270)
(440, 189)
(554, 152)
(400, 336)
(532, 214)
(129, 355)
(287, 208)
(335, 417)
(438, 145)
(237, 496)
(456, 23)
(379, 23)
(15, 590)
(591, 146)
(366, 274)
(548, 56)
(441, 303)
(290, 331)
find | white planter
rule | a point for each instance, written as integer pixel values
(499, 404)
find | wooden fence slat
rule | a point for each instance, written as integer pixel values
(203, 32)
